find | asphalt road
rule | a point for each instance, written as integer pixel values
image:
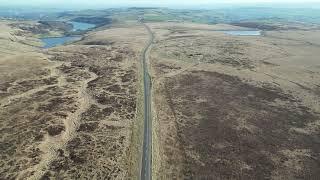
(146, 173)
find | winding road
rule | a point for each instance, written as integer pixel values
(147, 137)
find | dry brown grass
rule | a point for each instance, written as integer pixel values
(224, 107)
(231, 107)
(71, 111)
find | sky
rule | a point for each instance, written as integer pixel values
(139, 3)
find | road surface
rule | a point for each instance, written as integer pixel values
(147, 137)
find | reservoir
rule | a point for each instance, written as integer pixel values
(243, 33)
(56, 41)
(78, 26)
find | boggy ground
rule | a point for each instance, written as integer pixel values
(68, 112)
(228, 129)
(230, 107)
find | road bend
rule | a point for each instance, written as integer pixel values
(146, 173)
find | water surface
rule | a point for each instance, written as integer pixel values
(55, 41)
(243, 33)
(79, 26)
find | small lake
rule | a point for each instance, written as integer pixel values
(77, 26)
(243, 33)
(56, 41)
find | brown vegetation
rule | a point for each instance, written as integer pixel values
(230, 107)
(69, 112)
